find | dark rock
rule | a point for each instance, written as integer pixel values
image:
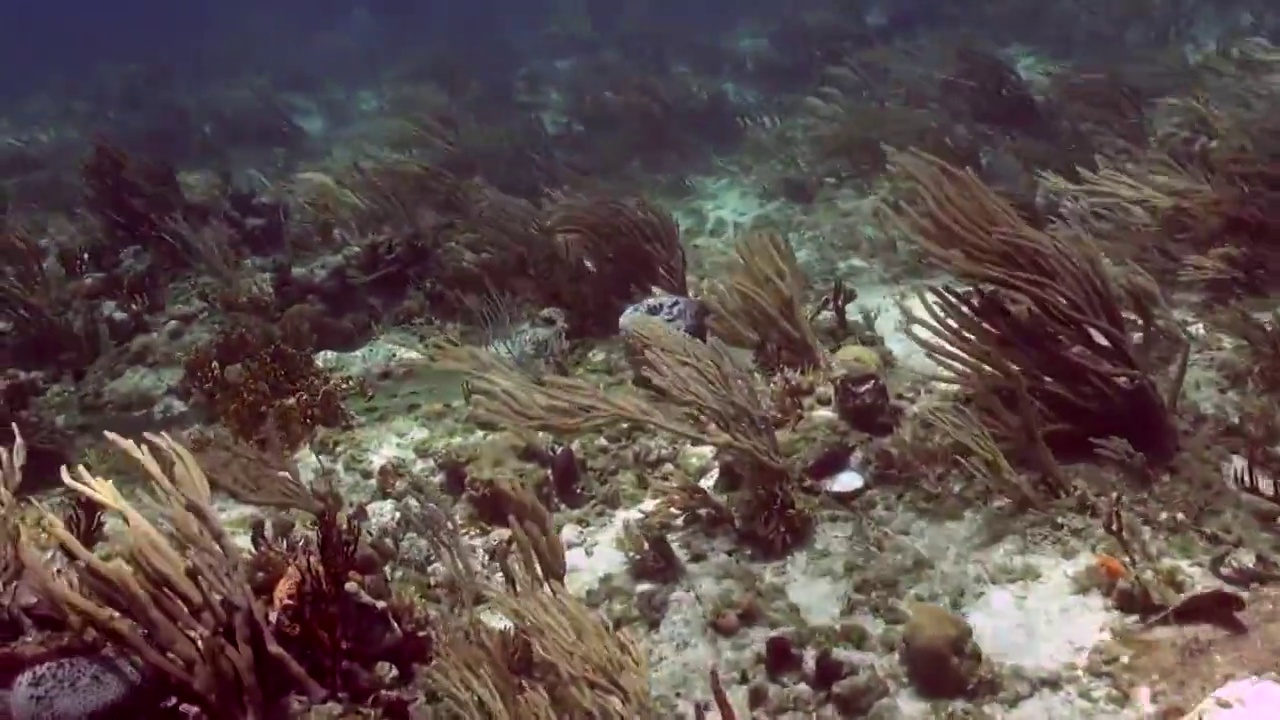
(781, 656)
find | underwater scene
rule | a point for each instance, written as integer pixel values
(657, 360)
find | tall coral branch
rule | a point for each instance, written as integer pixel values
(548, 657)
(761, 305)
(1043, 333)
(700, 380)
(12, 461)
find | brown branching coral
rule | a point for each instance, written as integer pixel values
(425, 231)
(1145, 208)
(880, 98)
(992, 92)
(428, 234)
(265, 390)
(511, 504)
(517, 156)
(1215, 218)
(1041, 339)
(626, 119)
(329, 603)
(708, 398)
(634, 235)
(761, 306)
(1103, 102)
(322, 611)
(1257, 366)
(963, 104)
(981, 455)
(1128, 197)
(322, 202)
(178, 597)
(142, 203)
(542, 654)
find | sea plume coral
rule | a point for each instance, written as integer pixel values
(706, 397)
(615, 252)
(761, 305)
(48, 327)
(1204, 195)
(542, 654)
(1044, 337)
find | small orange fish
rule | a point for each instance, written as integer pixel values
(1113, 569)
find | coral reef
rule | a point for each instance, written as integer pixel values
(804, 360)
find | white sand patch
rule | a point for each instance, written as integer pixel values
(728, 205)
(887, 302)
(814, 577)
(592, 555)
(1043, 625)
